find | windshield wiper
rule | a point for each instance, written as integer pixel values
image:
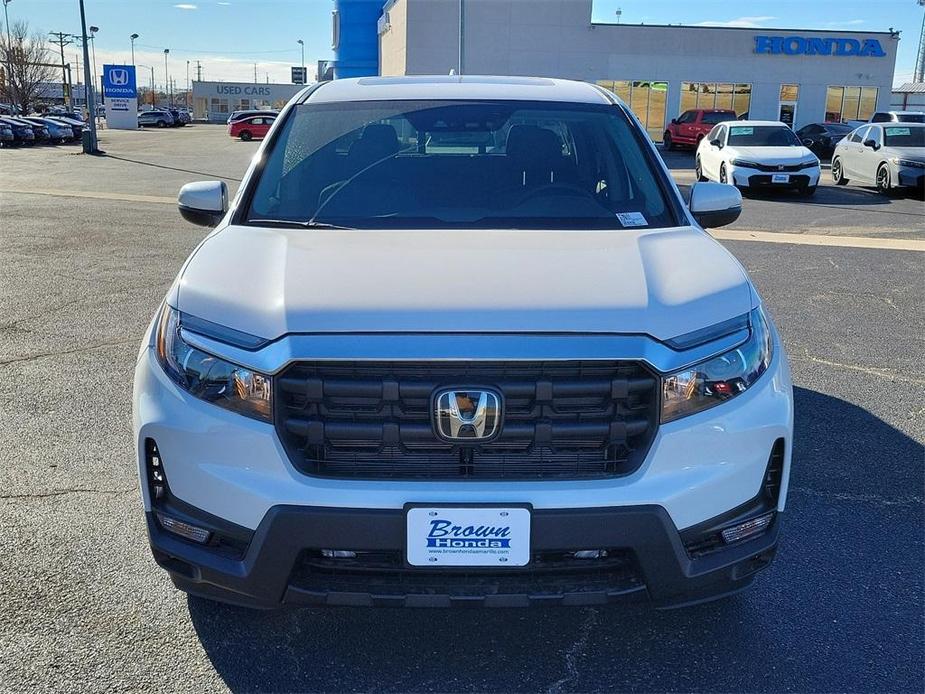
(310, 224)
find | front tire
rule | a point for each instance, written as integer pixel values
(668, 142)
(838, 175)
(161, 124)
(698, 171)
(722, 174)
(884, 184)
(808, 191)
(246, 135)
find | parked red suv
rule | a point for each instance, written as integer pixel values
(691, 126)
(249, 128)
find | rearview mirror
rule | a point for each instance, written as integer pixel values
(715, 204)
(204, 202)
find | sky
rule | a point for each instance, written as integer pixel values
(229, 36)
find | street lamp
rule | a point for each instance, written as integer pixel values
(9, 45)
(166, 76)
(186, 100)
(133, 37)
(93, 31)
(90, 144)
(302, 44)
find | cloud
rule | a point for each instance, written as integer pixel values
(186, 6)
(742, 22)
(846, 23)
(223, 4)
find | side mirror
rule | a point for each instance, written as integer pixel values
(871, 143)
(204, 202)
(674, 121)
(716, 143)
(808, 142)
(715, 204)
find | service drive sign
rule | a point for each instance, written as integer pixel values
(121, 94)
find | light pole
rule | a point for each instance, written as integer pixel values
(9, 49)
(90, 144)
(187, 86)
(93, 31)
(302, 44)
(166, 76)
(133, 37)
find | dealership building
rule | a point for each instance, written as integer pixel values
(794, 75)
(213, 101)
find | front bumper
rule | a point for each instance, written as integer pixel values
(276, 570)
(745, 177)
(911, 177)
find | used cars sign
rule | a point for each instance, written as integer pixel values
(814, 45)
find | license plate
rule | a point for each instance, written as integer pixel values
(468, 536)
(780, 178)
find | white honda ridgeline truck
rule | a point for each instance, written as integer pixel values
(459, 340)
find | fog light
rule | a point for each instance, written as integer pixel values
(590, 554)
(338, 554)
(183, 529)
(748, 528)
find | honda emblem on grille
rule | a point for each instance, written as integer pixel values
(780, 167)
(467, 414)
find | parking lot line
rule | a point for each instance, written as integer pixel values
(124, 197)
(818, 240)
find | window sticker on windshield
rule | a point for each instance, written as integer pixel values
(632, 219)
(898, 131)
(741, 130)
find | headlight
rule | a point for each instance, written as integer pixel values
(207, 377)
(746, 163)
(909, 162)
(720, 378)
(809, 163)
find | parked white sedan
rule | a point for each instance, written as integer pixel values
(757, 154)
(889, 155)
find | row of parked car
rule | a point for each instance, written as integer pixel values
(888, 151)
(55, 128)
(164, 118)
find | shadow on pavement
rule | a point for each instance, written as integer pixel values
(840, 609)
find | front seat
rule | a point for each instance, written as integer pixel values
(378, 141)
(535, 156)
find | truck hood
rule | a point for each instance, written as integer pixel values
(271, 282)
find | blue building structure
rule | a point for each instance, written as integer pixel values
(356, 38)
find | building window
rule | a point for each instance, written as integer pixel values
(736, 97)
(646, 99)
(219, 106)
(844, 104)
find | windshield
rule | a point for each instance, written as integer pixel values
(762, 136)
(910, 117)
(898, 136)
(454, 164)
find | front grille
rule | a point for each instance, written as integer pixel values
(764, 180)
(575, 419)
(548, 574)
(777, 168)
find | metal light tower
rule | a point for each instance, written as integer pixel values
(302, 44)
(166, 77)
(133, 37)
(920, 60)
(96, 84)
(90, 144)
(9, 46)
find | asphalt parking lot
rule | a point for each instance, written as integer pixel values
(89, 245)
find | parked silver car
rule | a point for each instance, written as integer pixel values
(889, 155)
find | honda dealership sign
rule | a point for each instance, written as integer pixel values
(121, 96)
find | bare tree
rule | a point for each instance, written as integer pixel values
(27, 62)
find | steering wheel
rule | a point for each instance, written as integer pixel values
(555, 189)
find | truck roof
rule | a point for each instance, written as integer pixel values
(457, 87)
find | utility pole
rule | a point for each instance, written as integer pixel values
(920, 60)
(9, 45)
(90, 144)
(60, 39)
(198, 71)
(255, 73)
